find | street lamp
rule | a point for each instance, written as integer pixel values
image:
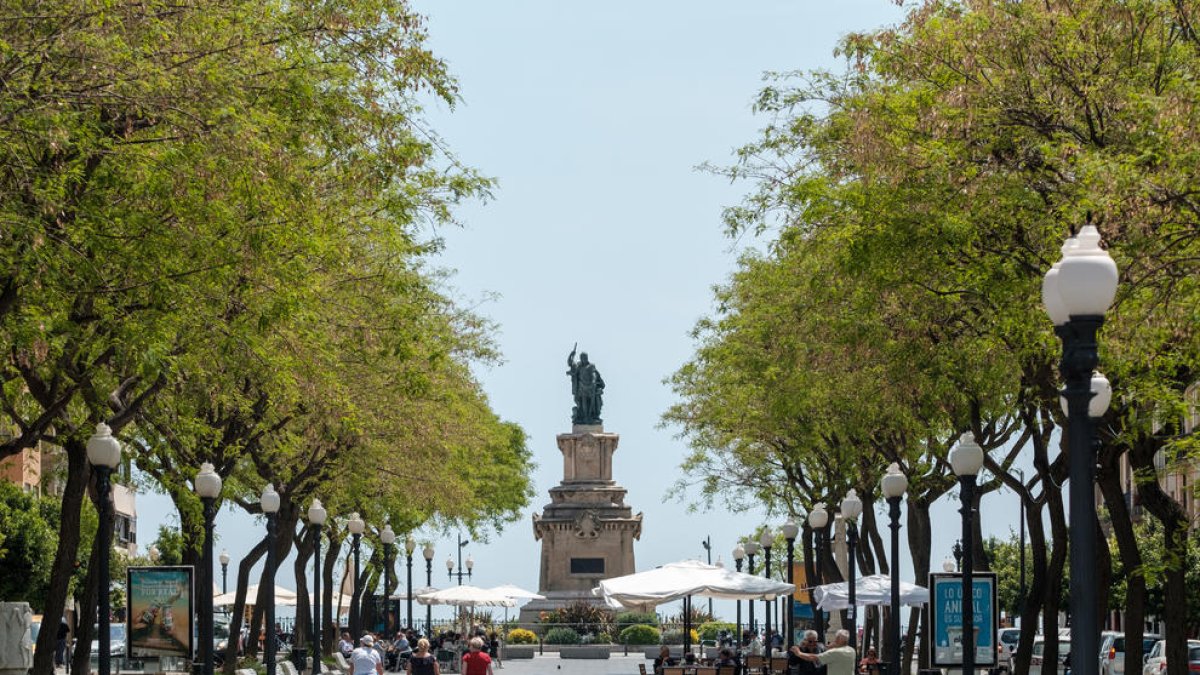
(1077, 291)
(153, 553)
(356, 527)
(818, 518)
(851, 509)
(948, 565)
(893, 486)
(428, 553)
(224, 558)
(966, 459)
(751, 548)
(316, 518)
(104, 454)
(208, 488)
(765, 539)
(739, 554)
(410, 545)
(387, 537)
(790, 530)
(270, 506)
(450, 562)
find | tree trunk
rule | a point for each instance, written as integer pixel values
(84, 631)
(1038, 583)
(304, 551)
(1109, 479)
(239, 605)
(330, 628)
(65, 555)
(920, 539)
(1174, 521)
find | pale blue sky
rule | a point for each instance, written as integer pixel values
(592, 116)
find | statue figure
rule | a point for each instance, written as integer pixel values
(587, 387)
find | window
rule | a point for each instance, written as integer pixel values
(587, 565)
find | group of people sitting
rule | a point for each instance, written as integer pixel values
(810, 657)
(373, 657)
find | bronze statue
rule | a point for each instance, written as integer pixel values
(587, 387)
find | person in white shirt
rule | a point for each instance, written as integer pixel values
(365, 660)
(345, 645)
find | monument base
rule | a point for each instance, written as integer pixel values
(531, 612)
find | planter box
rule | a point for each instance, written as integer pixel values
(583, 652)
(519, 651)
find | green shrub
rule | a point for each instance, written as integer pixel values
(562, 636)
(603, 639)
(520, 636)
(675, 637)
(640, 634)
(626, 619)
(710, 629)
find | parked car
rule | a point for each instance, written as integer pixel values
(1035, 661)
(116, 640)
(1156, 659)
(1006, 647)
(1113, 656)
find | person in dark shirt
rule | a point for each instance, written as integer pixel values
(664, 659)
(808, 645)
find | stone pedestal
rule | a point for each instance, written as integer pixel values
(16, 638)
(587, 531)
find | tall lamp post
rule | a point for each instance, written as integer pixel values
(893, 485)
(790, 530)
(851, 510)
(751, 547)
(224, 558)
(450, 572)
(739, 554)
(410, 545)
(765, 539)
(1077, 291)
(356, 527)
(270, 506)
(104, 454)
(387, 537)
(316, 518)
(966, 459)
(208, 488)
(818, 518)
(707, 544)
(428, 553)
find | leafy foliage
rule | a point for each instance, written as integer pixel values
(625, 619)
(561, 636)
(521, 636)
(640, 634)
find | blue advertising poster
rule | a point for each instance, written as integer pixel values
(946, 615)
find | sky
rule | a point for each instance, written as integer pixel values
(593, 119)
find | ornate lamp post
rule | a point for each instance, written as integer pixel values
(224, 558)
(270, 506)
(450, 572)
(818, 518)
(893, 485)
(410, 545)
(104, 454)
(790, 530)
(387, 537)
(739, 554)
(153, 553)
(751, 548)
(208, 488)
(316, 517)
(428, 553)
(1077, 291)
(765, 539)
(356, 527)
(851, 510)
(966, 459)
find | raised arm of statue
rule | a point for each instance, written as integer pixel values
(571, 357)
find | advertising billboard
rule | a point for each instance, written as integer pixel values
(946, 615)
(160, 611)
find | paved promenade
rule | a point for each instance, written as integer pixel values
(550, 664)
